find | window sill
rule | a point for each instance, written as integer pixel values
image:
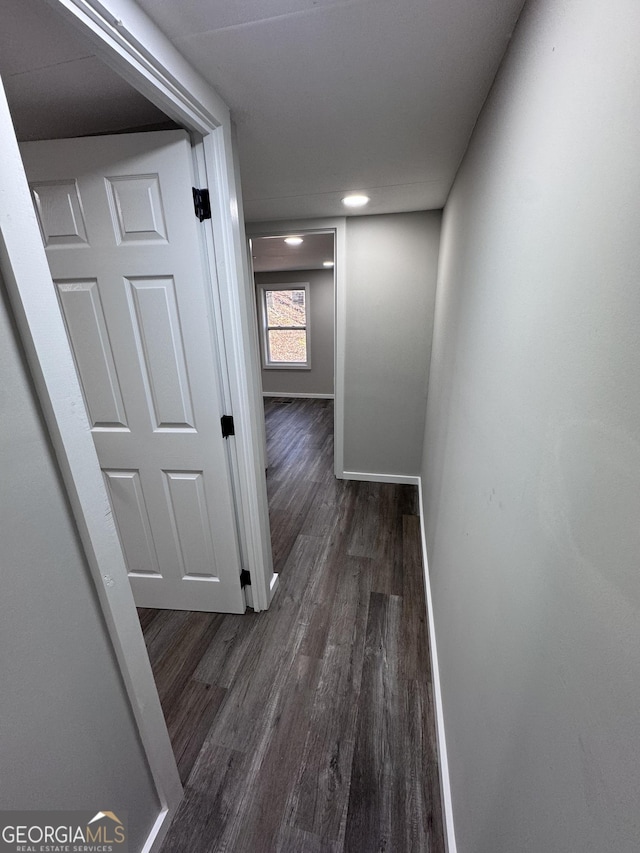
(285, 366)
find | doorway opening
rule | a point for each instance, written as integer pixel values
(295, 301)
(295, 290)
(280, 264)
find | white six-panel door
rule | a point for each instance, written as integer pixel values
(121, 237)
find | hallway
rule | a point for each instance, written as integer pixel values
(309, 727)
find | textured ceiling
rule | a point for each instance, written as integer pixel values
(332, 96)
(328, 96)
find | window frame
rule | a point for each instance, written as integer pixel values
(265, 328)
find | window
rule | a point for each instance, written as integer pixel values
(285, 327)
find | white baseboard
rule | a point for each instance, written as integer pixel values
(300, 394)
(443, 761)
(154, 840)
(273, 586)
(380, 478)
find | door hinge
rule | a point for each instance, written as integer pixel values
(228, 427)
(245, 578)
(202, 204)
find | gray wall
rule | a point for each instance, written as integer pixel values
(68, 739)
(532, 451)
(319, 379)
(390, 292)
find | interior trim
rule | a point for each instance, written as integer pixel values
(443, 760)
(303, 395)
(402, 479)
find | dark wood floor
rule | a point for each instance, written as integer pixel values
(309, 728)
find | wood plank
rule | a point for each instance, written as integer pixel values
(365, 529)
(225, 655)
(173, 670)
(389, 563)
(375, 819)
(325, 593)
(422, 801)
(327, 506)
(394, 801)
(293, 840)
(189, 721)
(160, 635)
(209, 803)
(285, 529)
(415, 660)
(266, 791)
(146, 616)
(244, 719)
(319, 799)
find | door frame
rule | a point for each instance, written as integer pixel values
(129, 42)
(132, 44)
(337, 227)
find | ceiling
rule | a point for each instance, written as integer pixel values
(271, 254)
(329, 96)
(55, 85)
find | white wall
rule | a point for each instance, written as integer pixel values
(390, 292)
(319, 379)
(532, 450)
(68, 739)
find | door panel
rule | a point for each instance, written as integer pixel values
(117, 220)
(189, 516)
(87, 330)
(154, 319)
(136, 209)
(59, 213)
(132, 520)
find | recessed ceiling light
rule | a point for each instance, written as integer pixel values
(327, 263)
(355, 200)
(293, 241)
